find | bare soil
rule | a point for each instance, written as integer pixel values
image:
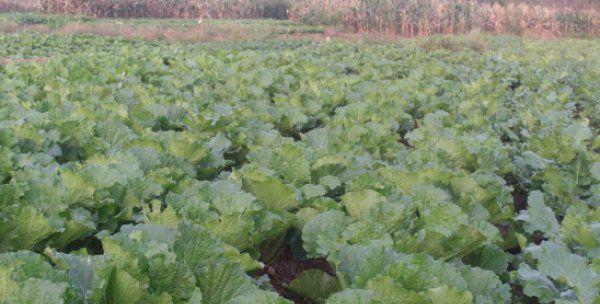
(286, 268)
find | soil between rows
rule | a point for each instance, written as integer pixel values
(285, 268)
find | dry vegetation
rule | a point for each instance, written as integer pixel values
(18, 5)
(392, 17)
(417, 17)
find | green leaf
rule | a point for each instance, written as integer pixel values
(578, 133)
(420, 272)
(25, 230)
(385, 290)
(490, 257)
(485, 286)
(237, 229)
(123, 288)
(221, 283)
(310, 191)
(322, 235)
(555, 261)
(271, 192)
(78, 189)
(315, 284)
(304, 215)
(88, 275)
(260, 296)
(436, 212)
(536, 284)
(595, 170)
(166, 275)
(34, 291)
(291, 163)
(156, 215)
(317, 138)
(447, 295)
(533, 160)
(243, 259)
(190, 151)
(538, 217)
(359, 203)
(444, 219)
(7, 285)
(26, 264)
(79, 225)
(330, 182)
(363, 232)
(196, 247)
(27, 277)
(162, 298)
(228, 198)
(352, 296)
(580, 229)
(357, 264)
(8, 195)
(329, 165)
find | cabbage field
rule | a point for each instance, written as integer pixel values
(434, 170)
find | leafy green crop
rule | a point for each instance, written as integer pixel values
(146, 172)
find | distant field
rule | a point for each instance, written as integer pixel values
(408, 18)
(209, 30)
(212, 30)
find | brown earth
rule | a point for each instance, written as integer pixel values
(285, 268)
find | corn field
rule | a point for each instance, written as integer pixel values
(395, 17)
(18, 5)
(426, 17)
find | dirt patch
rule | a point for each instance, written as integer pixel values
(13, 60)
(286, 268)
(214, 32)
(91, 244)
(199, 33)
(519, 194)
(405, 142)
